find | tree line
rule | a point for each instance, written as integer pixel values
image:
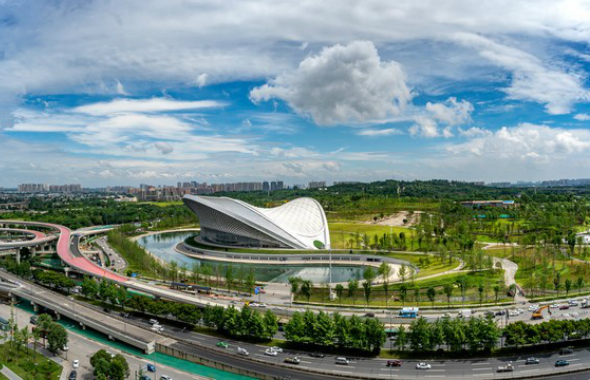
(327, 332)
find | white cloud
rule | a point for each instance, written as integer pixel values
(341, 84)
(532, 79)
(153, 105)
(527, 141)
(582, 117)
(379, 132)
(164, 147)
(202, 80)
(474, 132)
(449, 113)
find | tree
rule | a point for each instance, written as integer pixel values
(403, 292)
(339, 292)
(462, 284)
(271, 324)
(367, 291)
(119, 368)
(385, 273)
(481, 289)
(402, 338)
(43, 323)
(431, 294)
(229, 277)
(448, 290)
(403, 271)
(250, 281)
(26, 336)
(89, 287)
(306, 289)
(353, 286)
(496, 292)
(568, 286)
(369, 275)
(294, 282)
(57, 337)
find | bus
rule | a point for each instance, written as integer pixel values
(409, 312)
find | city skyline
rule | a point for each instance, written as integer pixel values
(493, 92)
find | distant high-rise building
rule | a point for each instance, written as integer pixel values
(280, 185)
(273, 186)
(317, 184)
(265, 186)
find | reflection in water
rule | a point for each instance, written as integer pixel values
(162, 246)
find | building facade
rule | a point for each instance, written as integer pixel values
(298, 224)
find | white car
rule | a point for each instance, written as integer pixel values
(276, 349)
(76, 364)
(243, 351)
(533, 307)
(554, 306)
(423, 366)
(270, 352)
(573, 302)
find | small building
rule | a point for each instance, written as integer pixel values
(490, 203)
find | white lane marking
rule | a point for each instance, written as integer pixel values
(435, 376)
(486, 363)
(483, 369)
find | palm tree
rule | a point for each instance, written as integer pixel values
(306, 289)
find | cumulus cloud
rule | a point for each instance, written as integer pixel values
(202, 80)
(527, 142)
(343, 83)
(447, 114)
(379, 132)
(532, 79)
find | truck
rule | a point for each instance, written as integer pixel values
(506, 368)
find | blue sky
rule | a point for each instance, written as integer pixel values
(128, 92)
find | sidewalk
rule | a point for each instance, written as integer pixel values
(8, 373)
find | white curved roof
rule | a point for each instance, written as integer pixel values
(297, 224)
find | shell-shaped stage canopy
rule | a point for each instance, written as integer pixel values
(299, 224)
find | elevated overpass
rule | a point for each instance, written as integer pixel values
(76, 311)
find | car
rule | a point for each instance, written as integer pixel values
(554, 306)
(144, 377)
(222, 344)
(342, 361)
(151, 368)
(423, 366)
(33, 320)
(269, 352)
(316, 354)
(154, 322)
(572, 303)
(76, 364)
(165, 377)
(562, 363)
(124, 315)
(276, 349)
(157, 328)
(106, 310)
(531, 361)
(394, 363)
(243, 351)
(292, 360)
(370, 315)
(73, 375)
(566, 351)
(501, 312)
(533, 307)
(564, 306)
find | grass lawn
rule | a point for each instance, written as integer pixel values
(29, 366)
(428, 265)
(163, 204)
(342, 232)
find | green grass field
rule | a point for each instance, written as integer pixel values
(27, 364)
(342, 232)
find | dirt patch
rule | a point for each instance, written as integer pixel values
(397, 219)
